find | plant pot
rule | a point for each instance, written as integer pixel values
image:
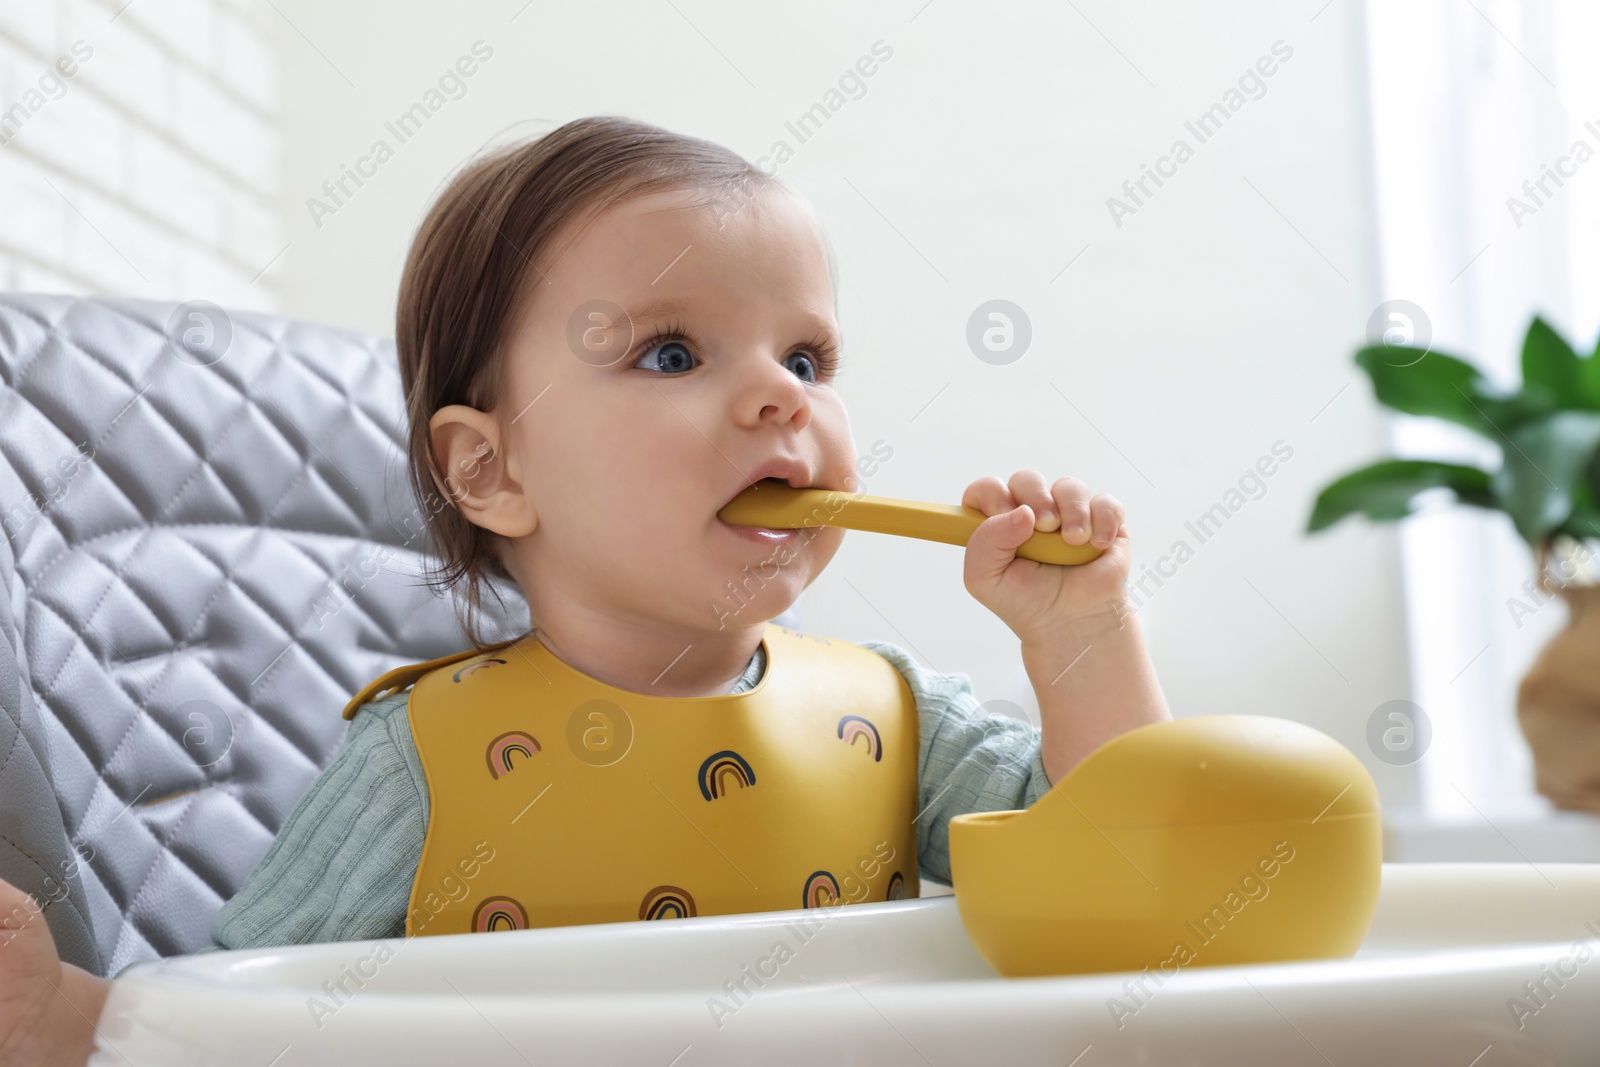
(1558, 702)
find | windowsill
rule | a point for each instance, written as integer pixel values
(1554, 836)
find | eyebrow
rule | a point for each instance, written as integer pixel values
(656, 309)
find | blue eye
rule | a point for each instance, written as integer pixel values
(668, 356)
(809, 374)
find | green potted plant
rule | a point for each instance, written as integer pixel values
(1548, 483)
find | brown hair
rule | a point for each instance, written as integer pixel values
(467, 274)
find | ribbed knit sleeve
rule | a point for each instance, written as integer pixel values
(342, 865)
(967, 760)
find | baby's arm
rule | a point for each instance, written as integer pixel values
(1094, 681)
(966, 760)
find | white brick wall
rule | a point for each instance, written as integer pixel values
(155, 171)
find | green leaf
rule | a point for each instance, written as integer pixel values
(1544, 466)
(1586, 486)
(1549, 363)
(1385, 490)
(1583, 494)
(1591, 374)
(1419, 382)
(1585, 518)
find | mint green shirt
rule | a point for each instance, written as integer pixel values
(342, 866)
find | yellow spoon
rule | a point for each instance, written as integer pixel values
(777, 506)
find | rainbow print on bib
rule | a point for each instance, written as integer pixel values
(473, 668)
(854, 726)
(822, 891)
(511, 743)
(499, 913)
(667, 902)
(722, 767)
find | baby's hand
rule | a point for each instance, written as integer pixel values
(47, 1010)
(1038, 600)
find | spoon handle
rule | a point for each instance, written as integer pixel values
(783, 507)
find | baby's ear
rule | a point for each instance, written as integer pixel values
(466, 446)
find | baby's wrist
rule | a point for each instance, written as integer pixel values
(1108, 615)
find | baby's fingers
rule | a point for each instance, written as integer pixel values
(1108, 513)
(1072, 499)
(989, 495)
(1029, 487)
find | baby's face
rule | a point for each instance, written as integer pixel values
(627, 442)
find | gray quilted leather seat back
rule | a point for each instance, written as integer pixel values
(207, 550)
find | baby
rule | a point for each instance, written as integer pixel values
(605, 335)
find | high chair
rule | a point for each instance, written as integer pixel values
(208, 547)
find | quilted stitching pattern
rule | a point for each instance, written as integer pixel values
(201, 564)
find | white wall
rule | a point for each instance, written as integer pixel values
(1170, 356)
(1168, 353)
(139, 149)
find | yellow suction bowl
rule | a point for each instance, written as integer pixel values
(1197, 842)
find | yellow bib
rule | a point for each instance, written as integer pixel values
(556, 799)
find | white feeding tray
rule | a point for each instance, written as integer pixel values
(1453, 949)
